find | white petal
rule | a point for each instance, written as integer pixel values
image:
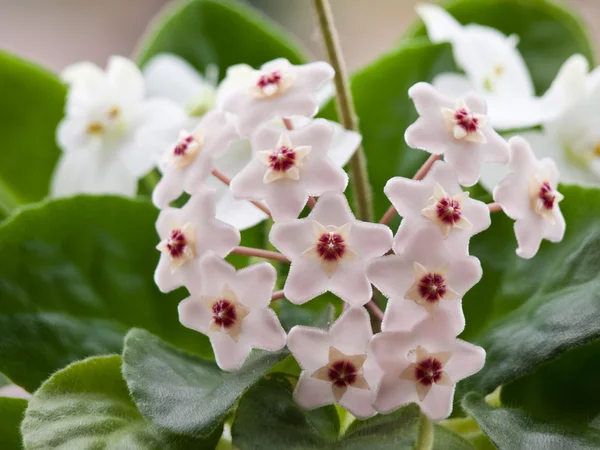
(215, 274)
(194, 314)
(311, 393)
(568, 85)
(255, 284)
(82, 72)
(358, 402)
(529, 235)
(344, 144)
(394, 393)
(370, 239)
(306, 280)
(230, 355)
(351, 332)
(351, 284)
(262, 329)
(126, 81)
(438, 403)
(441, 26)
(453, 84)
(323, 175)
(285, 200)
(467, 162)
(248, 184)
(293, 238)
(467, 359)
(392, 275)
(310, 347)
(332, 209)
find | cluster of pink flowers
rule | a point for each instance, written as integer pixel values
(424, 270)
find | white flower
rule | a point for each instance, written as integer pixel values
(287, 167)
(337, 366)
(186, 235)
(425, 280)
(457, 129)
(104, 112)
(423, 366)
(166, 70)
(493, 67)
(188, 163)
(232, 309)
(529, 196)
(437, 202)
(277, 89)
(329, 250)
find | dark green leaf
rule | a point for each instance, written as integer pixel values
(217, 32)
(380, 94)
(75, 275)
(527, 312)
(11, 415)
(268, 418)
(87, 405)
(562, 390)
(319, 312)
(182, 392)
(32, 105)
(512, 429)
(548, 32)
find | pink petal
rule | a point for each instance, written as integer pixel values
(408, 196)
(392, 275)
(262, 329)
(294, 237)
(496, 148)
(215, 273)
(351, 332)
(464, 274)
(467, 359)
(249, 184)
(350, 283)
(230, 355)
(390, 349)
(310, 347)
(529, 235)
(311, 393)
(332, 209)
(286, 199)
(168, 189)
(555, 232)
(521, 154)
(513, 195)
(467, 161)
(438, 403)
(318, 134)
(306, 280)
(358, 402)
(427, 99)
(315, 74)
(402, 315)
(167, 280)
(394, 393)
(370, 239)
(254, 285)
(322, 175)
(194, 314)
(427, 135)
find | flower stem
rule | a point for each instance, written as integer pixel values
(372, 306)
(277, 295)
(494, 207)
(358, 164)
(424, 170)
(260, 253)
(226, 180)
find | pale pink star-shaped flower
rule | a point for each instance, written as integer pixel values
(437, 201)
(529, 196)
(288, 166)
(423, 366)
(277, 89)
(337, 366)
(188, 163)
(186, 235)
(232, 309)
(458, 129)
(329, 251)
(425, 280)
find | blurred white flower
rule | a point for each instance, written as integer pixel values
(104, 112)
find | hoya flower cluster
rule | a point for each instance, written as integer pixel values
(424, 271)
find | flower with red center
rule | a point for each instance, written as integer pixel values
(277, 89)
(329, 251)
(284, 161)
(188, 163)
(186, 235)
(458, 129)
(232, 309)
(438, 202)
(337, 366)
(296, 166)
(422, 366)
(427, 278)
(529, 196)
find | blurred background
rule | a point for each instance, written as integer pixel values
(56, 33)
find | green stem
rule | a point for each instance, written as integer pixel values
(358, 164)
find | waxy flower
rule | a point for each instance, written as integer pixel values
(104, 112)
(188, 163)
(437, 202)
(232, 309)
(423, 366)
(457, 129)
(336, 364)
(277, 89)
(287, 167)
(186, 235)
(329, 251)
(426, 280)
(529, 196)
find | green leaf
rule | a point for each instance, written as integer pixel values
(87, 405)
(319, 312)
(32, 105)
(268, 418)
(527, 312)
(11, 415)
(75, 275)
(380, 93)
(182, 392)
(217, 32)
(561, 390)
(512, 429)
(548, 32)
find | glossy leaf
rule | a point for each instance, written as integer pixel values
(513, 429)
(385, 111)
(32, 105)
(268, 418)
(548, 32)
(182, 392)
(220, 32)
(75, 275)
(11, 415)
(527, 312)
(87, 405)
